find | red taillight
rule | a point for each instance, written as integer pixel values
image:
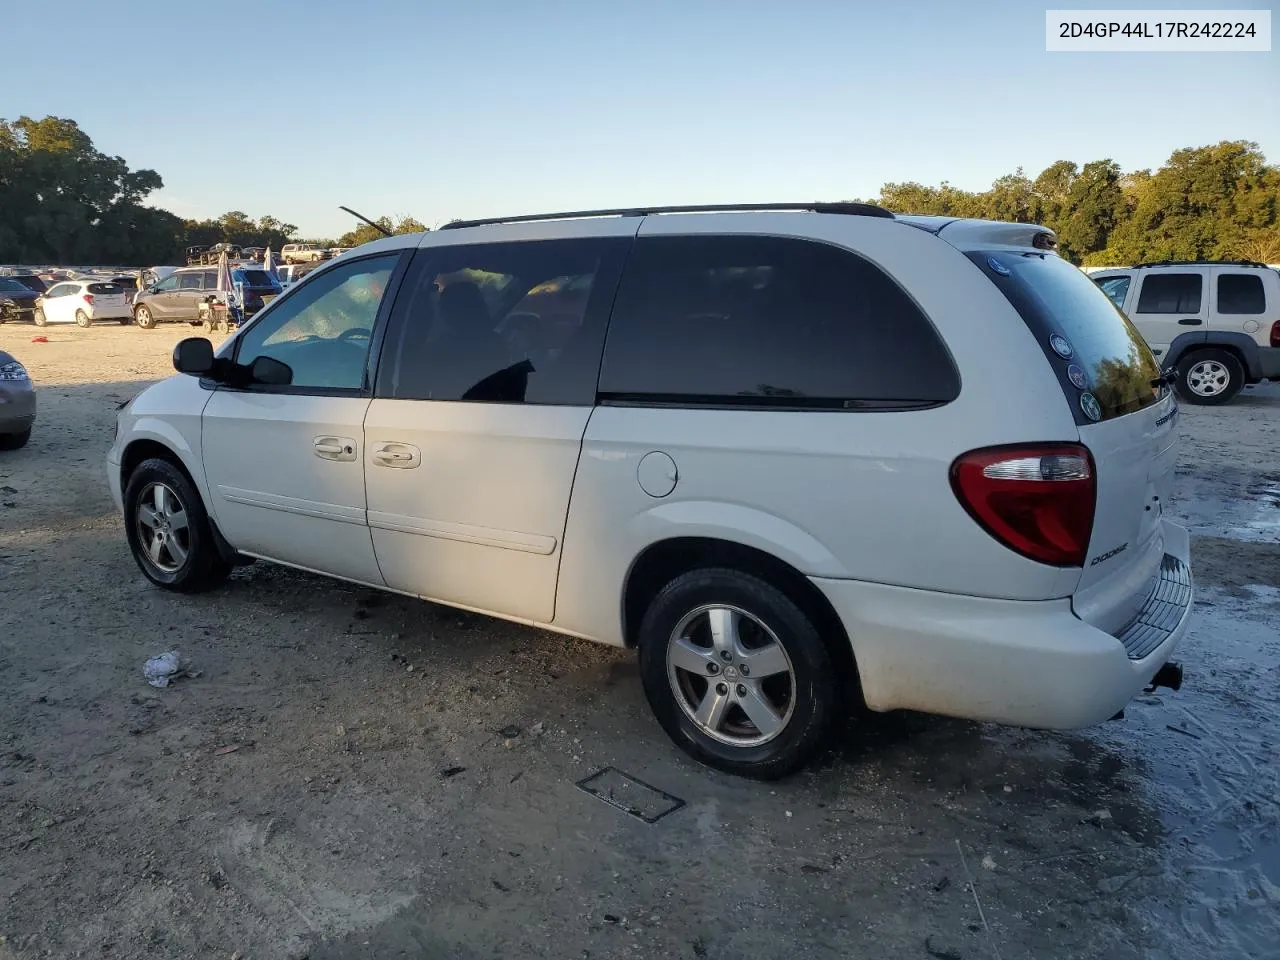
(88, 298)
(1036, 499)
(1275, 334)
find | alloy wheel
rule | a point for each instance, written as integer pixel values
(162, 527)
(731, 675)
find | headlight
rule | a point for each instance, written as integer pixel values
(13, 370)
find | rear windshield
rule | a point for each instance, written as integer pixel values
(1093, 347)
(31, 282)
(257, 278)
(105, 289)
(13, 286)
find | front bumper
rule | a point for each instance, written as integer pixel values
(1030, 664)
(114, 481)
(17, 405)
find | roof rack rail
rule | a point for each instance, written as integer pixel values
(851, 209)
(1200, 263)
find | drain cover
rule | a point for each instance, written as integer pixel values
(630, 795)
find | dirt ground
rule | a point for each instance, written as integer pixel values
(339, 780)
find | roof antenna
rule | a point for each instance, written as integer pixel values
(360, 216)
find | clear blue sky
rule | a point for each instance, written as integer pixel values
(467, 109)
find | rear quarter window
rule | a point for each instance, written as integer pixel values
(1107, 359)
(768, 322)
(1241, 293)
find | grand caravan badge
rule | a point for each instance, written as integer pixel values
(1109, 554)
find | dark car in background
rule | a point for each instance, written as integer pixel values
(29, 280)
(17, 301)
(257, 287)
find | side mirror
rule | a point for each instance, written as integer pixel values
(270, 371)
(193, 356)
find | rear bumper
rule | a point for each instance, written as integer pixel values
(1269, 363)
(1030, 664)
(110, 313)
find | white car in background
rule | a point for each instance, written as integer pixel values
(82, 302)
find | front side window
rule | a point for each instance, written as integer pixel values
(1171, 293)
(1241, 293)
(323, 330)
(1116, 288)
(58, 290)
(768, 321)
(168, 283)
(504, 322)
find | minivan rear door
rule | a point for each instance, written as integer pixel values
(1125, 415)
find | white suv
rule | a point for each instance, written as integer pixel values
(801, 458)
(1215, 323)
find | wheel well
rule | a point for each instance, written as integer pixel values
(140, 450)
(1214, 345)
(662, 562)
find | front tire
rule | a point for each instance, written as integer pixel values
(143, 318)
(12, 441)
(1210, 377)
(169, 531)
(82, 320)
(737, 674)
(38, 318)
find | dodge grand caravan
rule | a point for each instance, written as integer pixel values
(801, 458)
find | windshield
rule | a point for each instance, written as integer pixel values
(1104, 353)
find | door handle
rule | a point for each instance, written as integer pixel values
(334, 448)
(394, 454)
(1190, 322)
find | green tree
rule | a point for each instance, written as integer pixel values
(365, 233)
(1094, 206)
(1199, 205)
(64, 201)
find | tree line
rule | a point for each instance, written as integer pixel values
(1215, 202)
(63, 201)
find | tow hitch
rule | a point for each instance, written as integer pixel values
(1170, 675)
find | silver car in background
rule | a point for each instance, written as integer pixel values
(17, 403)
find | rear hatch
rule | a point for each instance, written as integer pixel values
(1124, 412)
(108, 296)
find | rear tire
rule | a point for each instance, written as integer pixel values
(82, 320)
(143, 318)
(763, 723)
(12, 441)
(160, 502)
(1210, 377)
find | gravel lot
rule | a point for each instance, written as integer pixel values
(337, 781)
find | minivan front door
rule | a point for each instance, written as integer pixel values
(284, 464)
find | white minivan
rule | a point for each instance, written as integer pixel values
(803, 458)
(1215, 324)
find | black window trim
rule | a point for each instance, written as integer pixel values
(376, 340)
(777, 404)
